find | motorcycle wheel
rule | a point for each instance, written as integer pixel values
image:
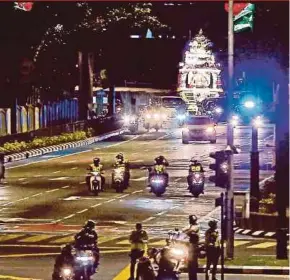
(119, 188)
(96, 189)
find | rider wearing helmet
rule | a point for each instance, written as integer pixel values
(66, 257)
(121, 161)
(212, 246)
(160, 163)
(194, 166)
(88, 238)
(96, 166)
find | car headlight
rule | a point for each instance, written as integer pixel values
(209, 130)
(66, 272)
(148, 116)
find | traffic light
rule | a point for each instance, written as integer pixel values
(220, 167)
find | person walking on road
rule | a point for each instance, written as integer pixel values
(193, 251)
(138, 239)
(212, 246)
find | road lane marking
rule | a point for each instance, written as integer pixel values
(59, 179)
(139, 179)
(9, 277)
(263, 245)
(124, 274)
(37, 194)
(4, 238)
(74, 168)
(36, 238)
(177, 179)
(137, 191)
(240, 242)
(83, 182)
(65, 187)
(161, 213)
(22, 179)
(82, 211)
(55, 172)
(122, 196)
(53, 190)
(108, 201)
(96, 205)
(148, 219)
(69, 216)
(70, 161)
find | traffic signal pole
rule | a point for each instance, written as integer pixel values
(230, 137)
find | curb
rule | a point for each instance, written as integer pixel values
(60, 147)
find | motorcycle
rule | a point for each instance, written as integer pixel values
(154, 121)
(84, 264)
(2, 171)
(196, 183)
(158, 181)
(95, 182)
(118, 179)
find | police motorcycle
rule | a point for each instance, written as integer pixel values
(118, 178)
(95, 182)
(158, 181)
(131, 122)
(154, 120)
(196, 180)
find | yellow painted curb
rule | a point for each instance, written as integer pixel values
(7, 277)
(124, 274)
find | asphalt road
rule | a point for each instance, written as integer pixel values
(45, 199)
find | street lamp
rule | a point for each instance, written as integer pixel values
(235, 120)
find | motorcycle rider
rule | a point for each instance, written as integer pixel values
(66, 257)
(120, 161)
(96, 166)
(138, 239)
(194, 166)
(212, 246)
(160, 163)
(2, 167)
(88, 237)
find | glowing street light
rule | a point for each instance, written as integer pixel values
(258, 121)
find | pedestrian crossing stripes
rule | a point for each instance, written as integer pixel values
(25, 239)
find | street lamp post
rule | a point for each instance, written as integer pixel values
(230, 140)
(254, 189)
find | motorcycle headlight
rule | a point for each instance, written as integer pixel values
(156, 116)
(148, 116)
(177, 252)
(66, 272)
(157, 181)
(218, 110)
(209, 130)
(85, 258)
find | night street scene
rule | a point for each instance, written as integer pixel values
(144, 140)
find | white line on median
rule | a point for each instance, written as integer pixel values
(68, 217)
(82, 211)
(161, 213)
(65, 187)
(137, 191)
(96, 205)
(50, 191)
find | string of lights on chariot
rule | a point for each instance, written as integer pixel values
(199, 74)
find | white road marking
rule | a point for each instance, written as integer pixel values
(37, 176)
(123, 195)
(82, 211)
(65, 187)
(148, 219)
(24, 183)
(82, 183)
(68, 217)
(108, 201)
(50, 191)
(74, 168)
(174, 207)
(55, 172)
(22, 179)
(139, 179)
(161, 213)
(59, 179)
(177, 179)
(96, 205)
(72, 198)
(137, 191)
(70, 161)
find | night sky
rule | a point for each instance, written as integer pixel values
(153, 61)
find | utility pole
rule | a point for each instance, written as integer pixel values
(254, 189)
(282, 167)
(230, 137)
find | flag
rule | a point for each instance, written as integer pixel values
(245, 19)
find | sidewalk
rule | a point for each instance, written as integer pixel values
(64, 146)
